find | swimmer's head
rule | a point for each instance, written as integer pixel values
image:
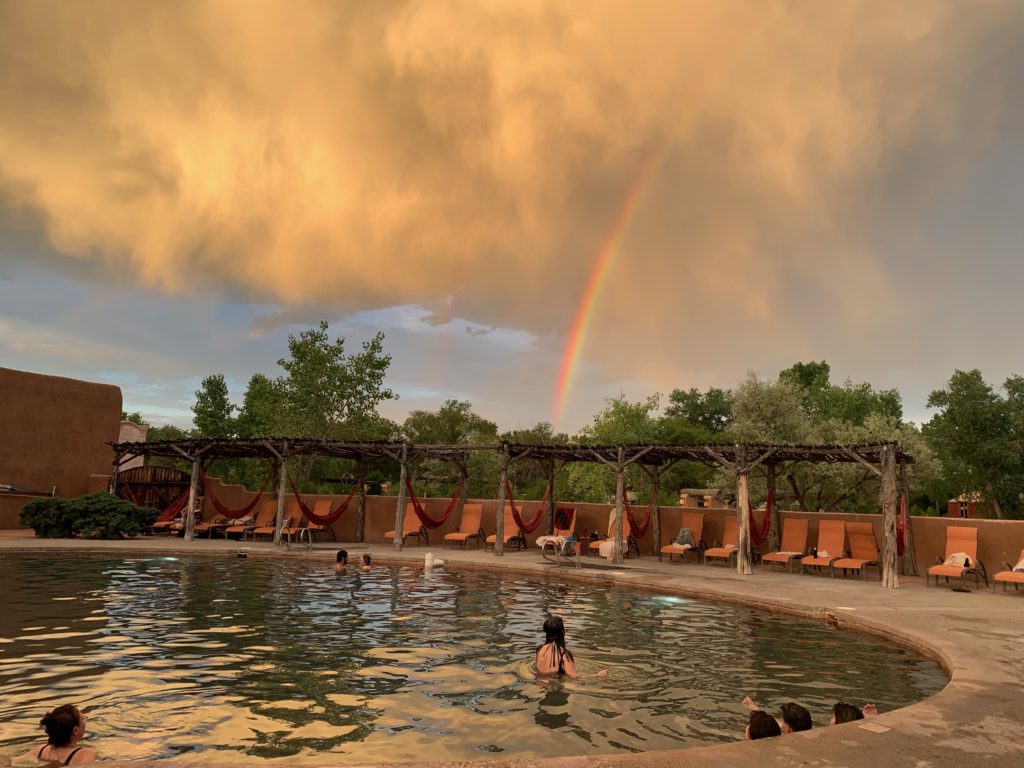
(795, 718)
(62, 724)
(367, 559)
(554, 630)
(761, 725)
(845, 713)
(342, 557)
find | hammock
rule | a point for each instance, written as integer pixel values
(421, 513)
(173, 509)
(638, 529)
(226, 511)
(901, 527)
(759, 533)
(525, 527)
(331, 516)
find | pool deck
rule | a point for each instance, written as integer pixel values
(977, 720)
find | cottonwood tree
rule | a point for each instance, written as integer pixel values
(212, 410)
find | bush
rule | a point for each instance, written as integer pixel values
(96, 516)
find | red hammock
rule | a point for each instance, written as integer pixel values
(421, 513)
(638, 529)
(759, 532)
(901, 527)
(525, 527)
(173, 509)
(331, 516)
(226, 511)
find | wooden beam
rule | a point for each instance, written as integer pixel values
(635, 457)
(890, 575)
(282, 489)
(767, 454)
(361, 510)
(193, 490)
(742, 517)
(499, 518)
(400, 505)
(909, 554)
(856, 456)
(724, 462)
(655, 513)
(620, 494)
(773, 526)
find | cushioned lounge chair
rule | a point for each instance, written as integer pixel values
(863, 551)
(831, 545)
(556, 542)
(216, 524)
(312, 530)
(288, 528)
(411, 526)
(794, 543)
(695, 522)
(1010, 576)
(510, 531)
(627, 536)
(266, 511)
(959, 539)
(727, 547)
(469, 527)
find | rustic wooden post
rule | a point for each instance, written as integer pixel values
(773, 526)
(282, 489)
(461, 503)
(655, 512)
(890, 576)
(549, 513)
(193, 491)
(620, 494)
(742, 514)
(909, 555)
(400, 505)
(361, 511)
(499, 517)
(114, 473)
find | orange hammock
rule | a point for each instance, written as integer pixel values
(331, 516)
(229, 512)
(421, 513)
(638, 529)
(759, 533)
(173, 509)
(525, 527)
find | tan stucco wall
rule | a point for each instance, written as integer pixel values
(53, 433)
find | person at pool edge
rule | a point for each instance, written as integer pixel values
(553, 658)
(65, 727)
(761, 725)
(795, 718)
(341, 561)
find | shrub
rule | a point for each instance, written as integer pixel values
(96, 516)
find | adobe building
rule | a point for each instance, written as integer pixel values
(53, 434)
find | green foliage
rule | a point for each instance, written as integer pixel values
(135, 418)
(851, 403)
(212, 408)
(96, 516)
(978, 436)
(452, 424)
(710, 410)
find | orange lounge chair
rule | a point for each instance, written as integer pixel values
(216, 523)
(557, 540)
(288, 530)
(794, 543)
(313, 530)
(411, 526)
(730, 539)
(831, 542)
(627, 535)
(863, 551)
(469, 526)
(695, 522)
(1010, 576)
(959, 539)
(511, 533)
(266, 511)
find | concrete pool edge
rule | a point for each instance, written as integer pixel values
(975, 720)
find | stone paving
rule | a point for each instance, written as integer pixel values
(976, 720)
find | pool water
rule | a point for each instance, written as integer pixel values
(247, 660)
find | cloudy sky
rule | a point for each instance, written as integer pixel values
(183, 184)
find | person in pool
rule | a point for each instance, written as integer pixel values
(366, 562)
(341, 561)
(65, 727)
(553, 658)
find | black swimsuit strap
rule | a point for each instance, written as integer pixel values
(39, 754)
(73, 753)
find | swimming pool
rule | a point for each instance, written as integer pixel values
(243, 660)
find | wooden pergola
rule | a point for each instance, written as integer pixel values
(885, 460)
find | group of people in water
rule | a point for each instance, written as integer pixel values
(341, 561)
(761, 725)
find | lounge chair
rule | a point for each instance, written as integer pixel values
(794, 543)
(695, 522)
(727, 551)
(313, 530)
(1010, 576)
(511, 533)
(266, 511)
(288, 530)
(469, 527)
(411, 526)
(627, 536)
(863, 551)
(831, 545)
(558, 541)
(217, 524)
(959, 539)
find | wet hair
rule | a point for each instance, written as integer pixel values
(367, 559)
(796, 717)
(60, 724)
(762, 725)
(342, 556)
(846, 713)
(554, 631)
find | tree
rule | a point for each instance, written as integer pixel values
(710, 410)
(851, 403)
(977, 436)
(135, 418)
(452, 424)
(213, 409)
(262, 408)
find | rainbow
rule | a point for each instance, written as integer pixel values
(598, 275)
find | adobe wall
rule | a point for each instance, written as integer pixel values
(999, 540)
(53, 433)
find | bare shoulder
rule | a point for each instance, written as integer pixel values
(84, 755)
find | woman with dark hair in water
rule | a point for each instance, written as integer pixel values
(553, 658)
(65, 727)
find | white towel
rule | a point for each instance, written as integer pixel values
(958, 560)
(1019, 567)
(607, 548)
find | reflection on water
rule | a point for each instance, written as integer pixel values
(242, 659)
